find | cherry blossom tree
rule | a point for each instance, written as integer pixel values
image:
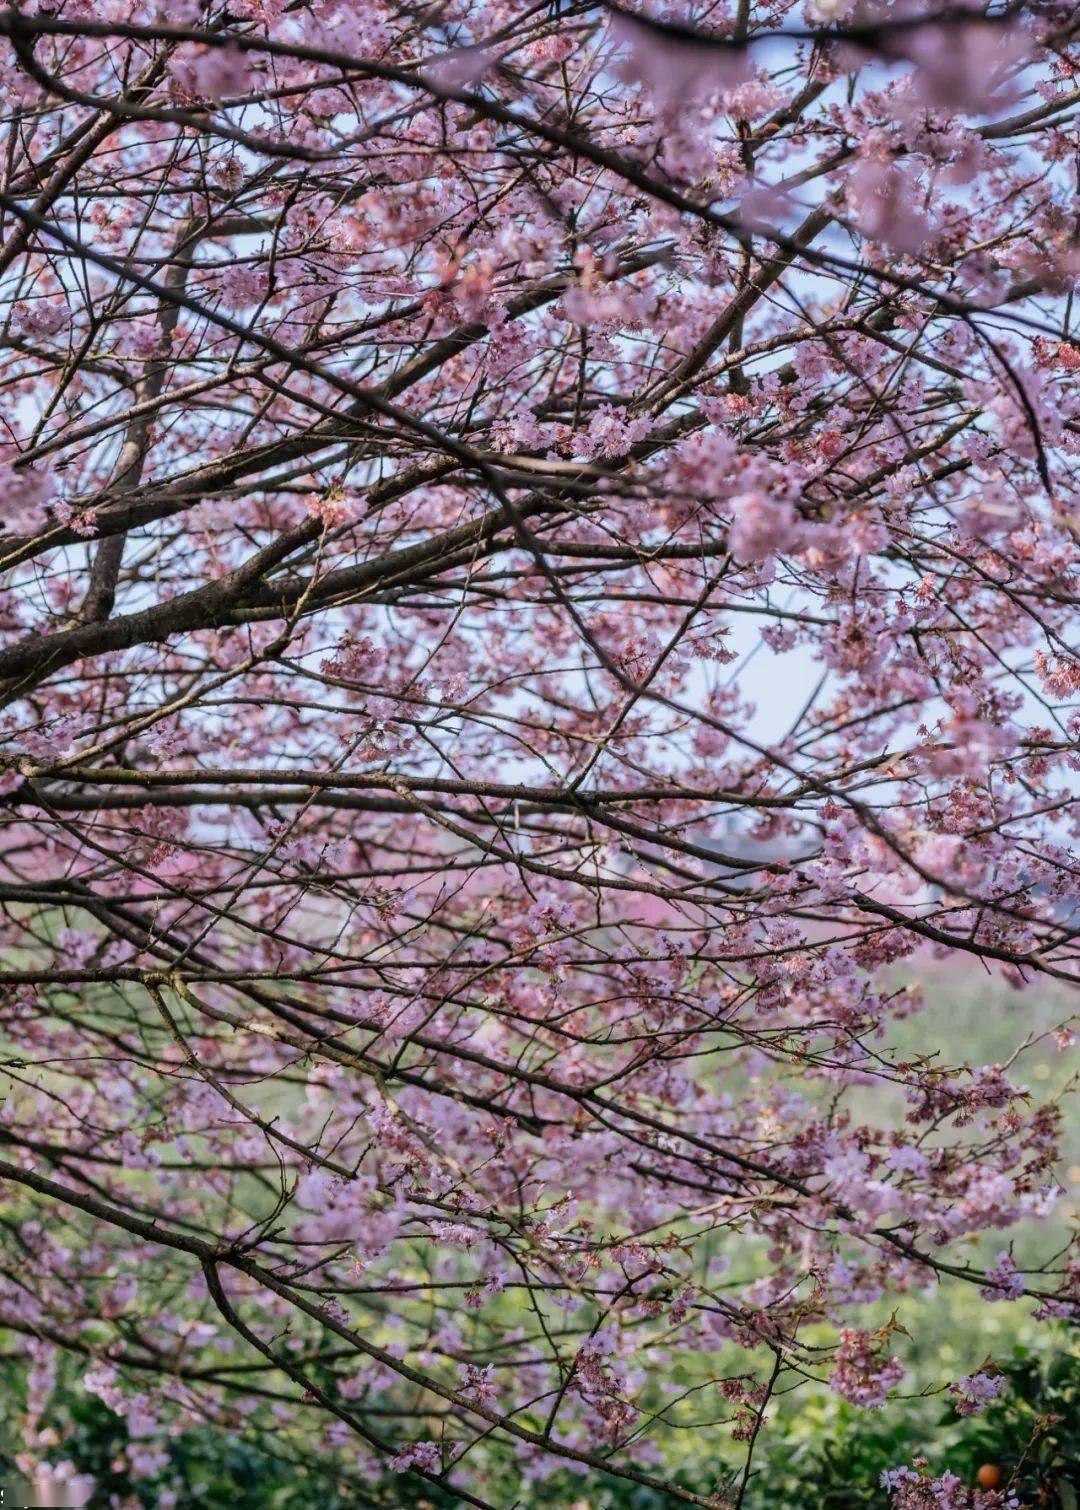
(435, 998)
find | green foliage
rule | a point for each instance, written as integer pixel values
(208, 1469)
(828, 1455)
(1033, 1431)
(834, 1455)
(820, 1453)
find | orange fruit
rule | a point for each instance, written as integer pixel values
(989, 1476)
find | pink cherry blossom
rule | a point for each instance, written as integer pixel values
(1003, 1282)
(864, 1374)
(885, 197)
(962, 65)
(972, 1394)
(424, 1455)
(676, 66)
(761, 526)
(212, 73)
